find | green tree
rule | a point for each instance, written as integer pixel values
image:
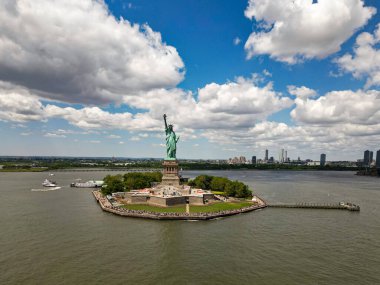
(218, 183)
(230, 189)
(242, 191)
(202, 181)
(113, 184)
(138, 180)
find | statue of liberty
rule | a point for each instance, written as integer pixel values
(171, 141)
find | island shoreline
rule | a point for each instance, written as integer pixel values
(106, 206)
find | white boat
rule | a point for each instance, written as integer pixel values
(48, 183)
(88, 184)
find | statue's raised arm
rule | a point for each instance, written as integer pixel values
(166, 124)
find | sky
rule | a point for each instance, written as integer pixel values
(94, 78)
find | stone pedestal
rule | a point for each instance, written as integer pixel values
(170, 175)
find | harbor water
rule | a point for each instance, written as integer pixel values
(63, 237)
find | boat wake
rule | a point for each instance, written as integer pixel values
(46, 189)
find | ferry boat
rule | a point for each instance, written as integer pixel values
(88, 184)
(48, 183)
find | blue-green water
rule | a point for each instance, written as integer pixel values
(62, 236)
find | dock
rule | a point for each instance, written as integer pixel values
(338, 206)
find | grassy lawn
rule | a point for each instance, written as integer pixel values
(218, 192)
(219, 207)
(175, 209)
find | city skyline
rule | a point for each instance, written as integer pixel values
(87, 78)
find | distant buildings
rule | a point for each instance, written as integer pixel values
(368, 157)
(281, 157)
(284, 158)
(237, 160)
(323, 159)
(371, 166)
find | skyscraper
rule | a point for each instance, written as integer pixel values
(370, 157)
(266, 155)
(281, 156)
(254, 160)
(366, 158)
(323, 159)
(378, 159)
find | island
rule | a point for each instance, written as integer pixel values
(166, 195)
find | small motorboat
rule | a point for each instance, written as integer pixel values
(48, 183)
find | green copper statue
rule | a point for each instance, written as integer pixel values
(171, 141)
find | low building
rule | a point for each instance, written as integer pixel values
(313, 163)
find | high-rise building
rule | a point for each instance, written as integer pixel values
(286, 156)
(282, 156)
(378, 159)
(266, 155)
(370, 157)
(254, 160)
(323, 159)
(366, 161)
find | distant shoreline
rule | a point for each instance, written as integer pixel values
(144, 169)
(37, 164)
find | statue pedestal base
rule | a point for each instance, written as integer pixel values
(170, 175)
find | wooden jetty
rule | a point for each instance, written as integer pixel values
(339, 206)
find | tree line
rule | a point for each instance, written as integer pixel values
(130, 181)
(221, 184)
(139, 180)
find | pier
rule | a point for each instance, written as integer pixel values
(338, 206)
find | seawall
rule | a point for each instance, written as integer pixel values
(108, 207)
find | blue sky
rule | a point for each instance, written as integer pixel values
(235, 77)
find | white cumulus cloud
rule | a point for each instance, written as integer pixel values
(76, 51)
(237, 41)
(54, 135)
(114, 137)
(294, 30)
(19, 105)
(239, 103)
(360, 107)
(302, 92)
(365, 62)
